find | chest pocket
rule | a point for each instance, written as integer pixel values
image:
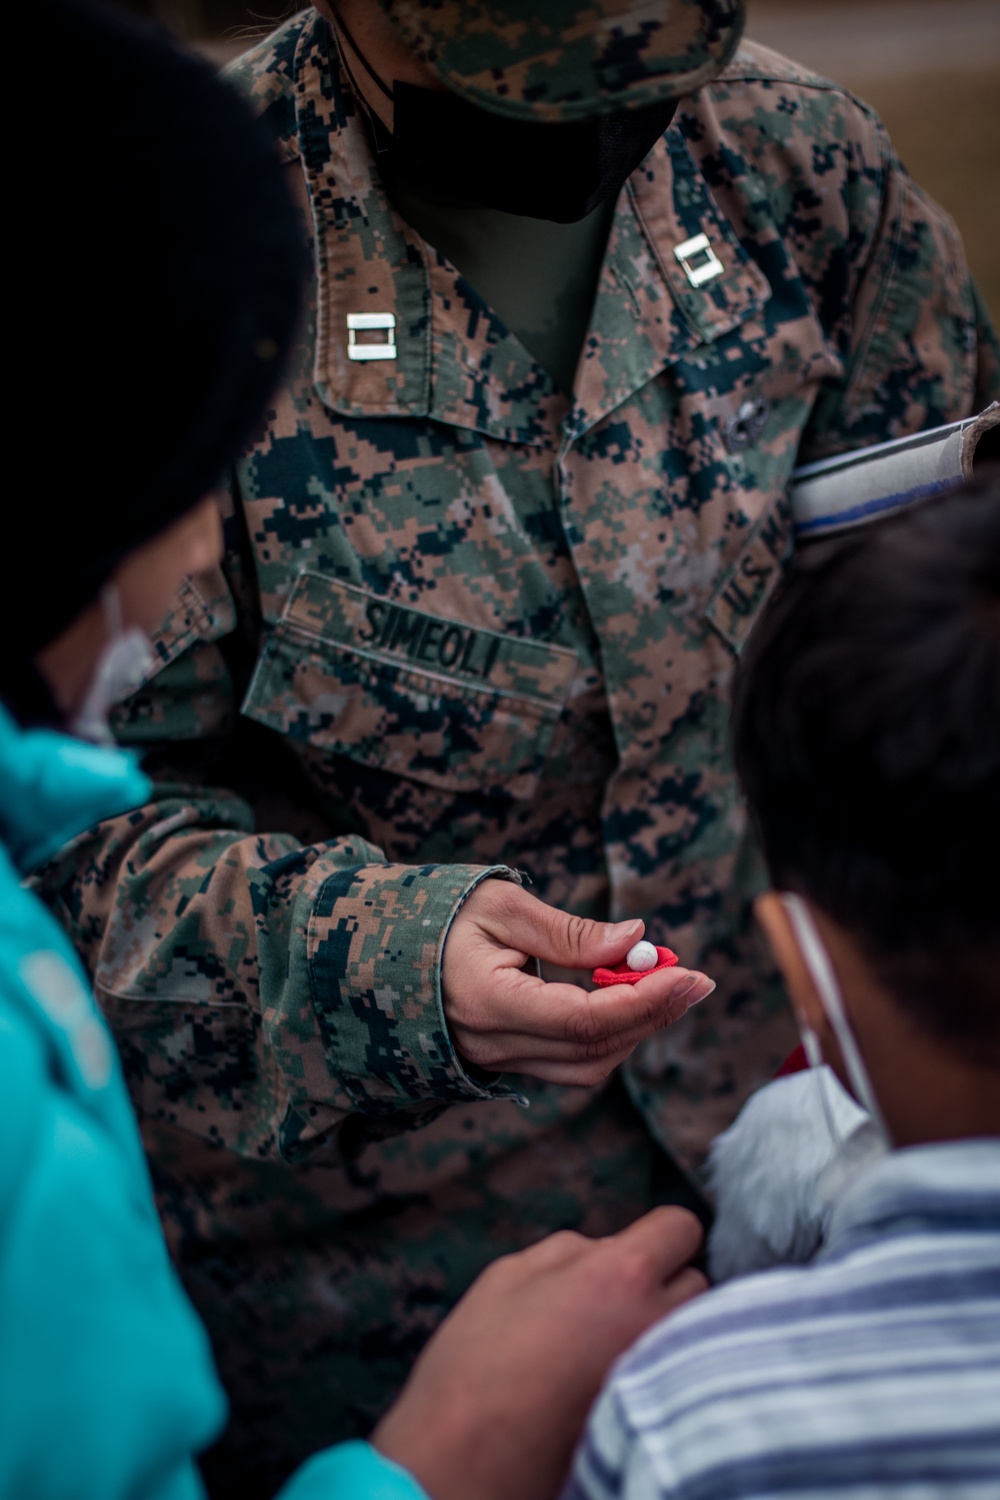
(415, 694)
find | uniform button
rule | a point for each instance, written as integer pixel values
(743, 429)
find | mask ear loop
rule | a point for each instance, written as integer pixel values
(818, 963)
(378, 133)
(125, 659)
(111, 608)
(814, 1057)
(379, 82)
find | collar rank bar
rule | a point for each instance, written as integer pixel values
(698, 260)
(365, 323)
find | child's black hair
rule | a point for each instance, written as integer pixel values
(866, 733)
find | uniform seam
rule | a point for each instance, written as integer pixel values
(858, 363)
(807, 81)
(133, 998)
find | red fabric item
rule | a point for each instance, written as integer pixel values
(795, 1062)
(624, 975)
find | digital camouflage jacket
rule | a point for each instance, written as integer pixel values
(464, 628)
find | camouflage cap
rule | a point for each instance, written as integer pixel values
(567, 59)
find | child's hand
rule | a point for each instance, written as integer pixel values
(497, 1401)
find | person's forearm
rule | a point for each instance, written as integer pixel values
(262, 991)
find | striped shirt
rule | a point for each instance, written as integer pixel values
(875, 1371)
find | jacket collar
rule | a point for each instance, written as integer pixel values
(53, 787)
(947, 1184)
(452, 359)
(648, 314)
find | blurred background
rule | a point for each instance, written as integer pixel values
(931, 68)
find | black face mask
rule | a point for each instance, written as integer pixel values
(446, 147)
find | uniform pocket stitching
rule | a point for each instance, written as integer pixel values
(456, 686)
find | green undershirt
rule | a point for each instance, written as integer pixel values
(540, 277)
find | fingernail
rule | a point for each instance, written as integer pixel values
(694, 988)
(617, 932)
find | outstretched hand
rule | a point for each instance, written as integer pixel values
(505, 1019)
(498, 1399)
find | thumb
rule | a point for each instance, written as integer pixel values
(556, 937)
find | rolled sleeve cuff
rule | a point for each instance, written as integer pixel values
(374, 947)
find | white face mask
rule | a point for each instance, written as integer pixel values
(817, 961)
(125, 660)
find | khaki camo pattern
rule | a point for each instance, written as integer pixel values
(467, 627)
(565, 60)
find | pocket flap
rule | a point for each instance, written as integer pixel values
(419, 695)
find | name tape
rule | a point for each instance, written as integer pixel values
(456, 648)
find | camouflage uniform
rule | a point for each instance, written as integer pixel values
(465, 627)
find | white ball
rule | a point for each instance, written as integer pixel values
(642, 957)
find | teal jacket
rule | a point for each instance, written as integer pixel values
(107, 1386)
